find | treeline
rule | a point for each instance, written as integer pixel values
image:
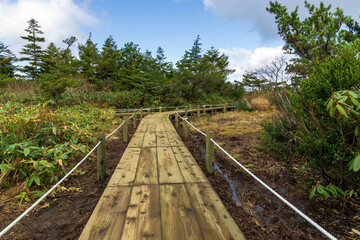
(197, 77)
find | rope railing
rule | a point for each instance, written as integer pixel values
(2, 233)
(124, 110)
(322, 230)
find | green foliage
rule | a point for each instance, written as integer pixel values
(329, 191)
(320, 35)
(244, 106)
(7, 68)
(39, 142)
(32, 50)
(347, 105)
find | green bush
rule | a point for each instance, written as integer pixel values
(306, 130)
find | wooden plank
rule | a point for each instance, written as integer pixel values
(162, 139)
(149, 139)
(142, 126)
(151, 125)
(125, 171)
(108, 218)
(143, 215)
(215, 221)
(147, 168)
(178, 220)
(169, 171)
(160, 125)
(137, 139)
(188, 167)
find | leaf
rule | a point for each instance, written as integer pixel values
(26, 151)
(354, 165)
(341, 110)
(330, 103)
(60, 162)
(37, 180)
(354, 101)
(54, 130)
(312, 192)
(4, 167)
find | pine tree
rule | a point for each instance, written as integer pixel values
(108, 66)
(32, 50)
(7, 59)
(89, 58)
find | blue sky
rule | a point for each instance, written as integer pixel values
(242, 29)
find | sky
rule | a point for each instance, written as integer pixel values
(241, 29)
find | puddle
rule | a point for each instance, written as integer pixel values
(233, 184)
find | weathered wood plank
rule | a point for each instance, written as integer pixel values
(173, 137)
(149, 139)
(151, 125)
(147, 168)
(169, 171)
(215, 221)
(108, 218)
(188, 167)
(125, 171)
(160, 127)
(162, 139)
(178, 220)
(137, 139)
(143, 215)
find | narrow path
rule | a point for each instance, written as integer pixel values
(159, 192)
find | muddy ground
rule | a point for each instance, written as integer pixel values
(64, 216)
(258, 213)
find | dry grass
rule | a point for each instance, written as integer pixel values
(234, 123)
(260, 104)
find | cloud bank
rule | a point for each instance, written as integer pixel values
(58, 19)
(244, 60)
(254, 12)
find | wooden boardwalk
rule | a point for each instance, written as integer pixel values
(159, 192)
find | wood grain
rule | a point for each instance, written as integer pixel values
(125, 171)
(108, 218)
(190, 170)
(169, 171)
(215, 221)
(147, 168)
(143, 214)
(178, 220)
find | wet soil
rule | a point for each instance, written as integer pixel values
(258, 213)
(65, 215)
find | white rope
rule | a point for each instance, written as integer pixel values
(57, 184)
(47, 193)
(119, 126)
(269, 188)
(184, 119)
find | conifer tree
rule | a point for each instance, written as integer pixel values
(89, 58)
(32, 50)
(7, 59)
(108, 67)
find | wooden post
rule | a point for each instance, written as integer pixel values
(134, 122)
(141, 113)
(204, 109)
(101, 159)
(185, 128)
(125, 131)
(210, 152)
(176, 119)
(198, 111)
(159, 109)
(224, 108)
(186, 112)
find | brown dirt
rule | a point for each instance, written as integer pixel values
(67, 213)
(258, 213)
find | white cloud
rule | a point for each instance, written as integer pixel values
(254, 11)
(245, 60)
(58, 19)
